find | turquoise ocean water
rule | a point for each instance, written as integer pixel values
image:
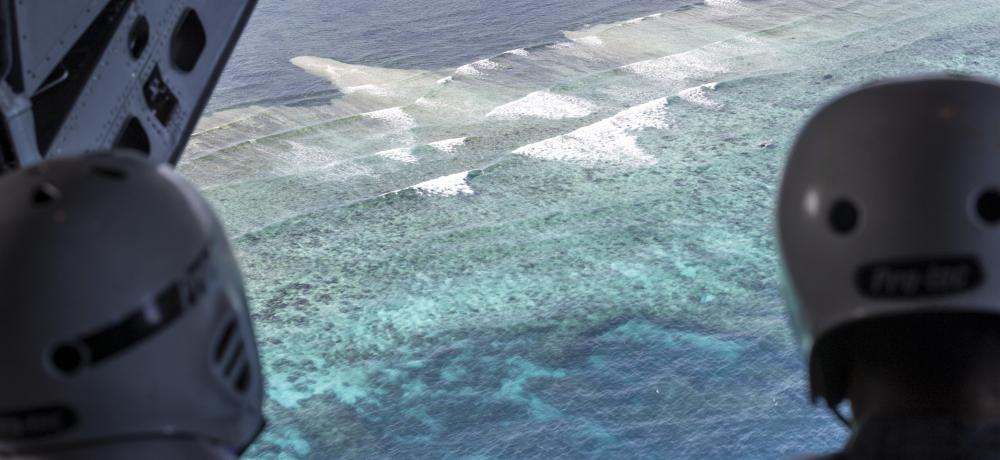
(530, 243)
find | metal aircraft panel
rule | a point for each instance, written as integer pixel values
(125, 73)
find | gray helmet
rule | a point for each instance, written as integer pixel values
(122, 313)
(890, 206)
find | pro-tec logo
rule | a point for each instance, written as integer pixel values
(919, 278)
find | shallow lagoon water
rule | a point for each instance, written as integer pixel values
(563, 250)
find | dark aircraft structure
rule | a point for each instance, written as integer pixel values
(91, 75)
(124, 329)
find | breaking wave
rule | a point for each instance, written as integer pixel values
(554, 102)
(612, 140)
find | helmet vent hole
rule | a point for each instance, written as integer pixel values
(243, 382)
(844, 216)
(45, 193)
(224, 341)
(235, 358)
(988, 206)
(232, 355)
(67, 359)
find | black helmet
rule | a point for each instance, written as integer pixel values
(122, 311)
(890, 206)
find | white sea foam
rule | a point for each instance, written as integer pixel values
(468, 69)
(448, 145)
(401, 154)
(729, 6)
(374, 90)
(477, 68)
(707, 62)
(395, 117)
(362, 78)
(698, 63)
(451, 185)
(297, 153)
(445, 80)
(590, 40)
(699, 95)
(612, 140)
(429, 103)
(594, 35)
(724, 3)
(486, 64)
(518, 52)
(543, 104)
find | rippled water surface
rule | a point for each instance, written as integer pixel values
(494, 239)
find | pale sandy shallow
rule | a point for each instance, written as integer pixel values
(591, 276)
